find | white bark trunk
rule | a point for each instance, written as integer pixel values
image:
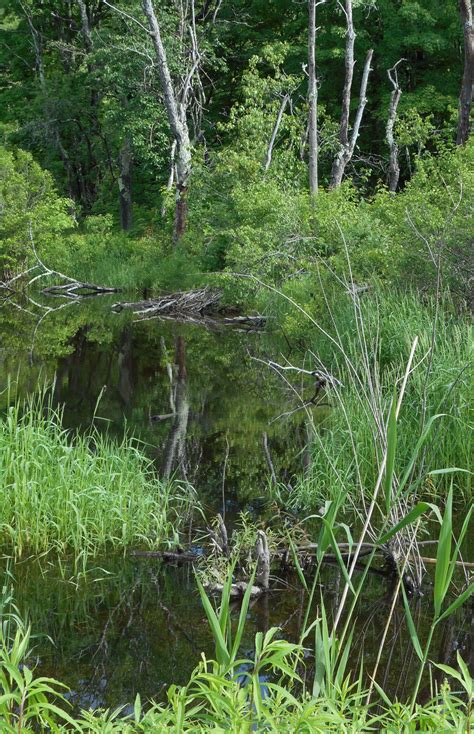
(276, 127)
(393, 168)
(313, 101)
(125, 185)
(347, 145)
(177, 122)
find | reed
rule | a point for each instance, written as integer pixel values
(368, 339)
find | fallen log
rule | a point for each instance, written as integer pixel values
(202, 306)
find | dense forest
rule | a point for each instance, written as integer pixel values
(282, 192)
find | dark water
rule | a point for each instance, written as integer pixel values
(135, 625)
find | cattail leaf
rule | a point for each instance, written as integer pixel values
(411, 626)
(443, 556)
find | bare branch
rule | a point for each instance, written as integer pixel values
(276, 127)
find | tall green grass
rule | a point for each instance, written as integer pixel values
(80, 494)
(371, 340)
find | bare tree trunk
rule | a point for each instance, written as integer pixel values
(125, 185)
(177, 122)
(465, 98)
(347, 145)
(276, 127)
(313, 101)
(394, 167)
(349, 63)
(85, 26)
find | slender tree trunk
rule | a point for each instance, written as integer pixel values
(465, 98)
(48, 114)
(313, 101)
(177, 122)
(125, 185)
(393, 167)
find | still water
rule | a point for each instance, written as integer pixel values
(208, 411)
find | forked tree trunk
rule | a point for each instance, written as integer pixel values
(312, 100)
(347, 142)
(465, 98)
(344, 156)
(177, 122)
(125, 185)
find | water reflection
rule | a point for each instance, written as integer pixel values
(205, 411)
(195, 398)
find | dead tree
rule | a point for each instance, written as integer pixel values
(348, 139)
(312, 100)
(176, 113)
(393, 167)
(467, 86)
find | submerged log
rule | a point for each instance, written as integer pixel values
(179, 556)
(237, 590)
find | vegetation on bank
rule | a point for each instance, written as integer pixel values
(268, 692)
(80, 494)
(363, 341)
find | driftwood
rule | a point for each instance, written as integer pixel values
(202, 307)
(70, 288)
(202, 301)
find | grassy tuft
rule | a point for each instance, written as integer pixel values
(80, 494)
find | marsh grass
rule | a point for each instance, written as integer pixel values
(367, 340)
(80, 494)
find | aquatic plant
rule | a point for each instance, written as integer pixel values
(80, 494)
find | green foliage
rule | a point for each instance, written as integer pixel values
(84, 494)
(28, 197)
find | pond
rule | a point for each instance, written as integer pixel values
(208, 410)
